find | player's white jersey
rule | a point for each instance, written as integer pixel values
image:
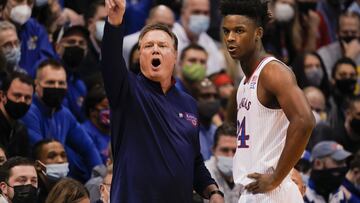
(261, 131)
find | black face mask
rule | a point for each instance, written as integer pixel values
(16, 110)
(355, 126)
(135, 67)
(25, 194)
(207, 109)
(328, 180)
(348, 39)
(73, 56)
(53, 97)
(346, 86)
(304, 7)
(224, 102)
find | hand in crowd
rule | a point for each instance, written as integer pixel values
(263, 183)
(115, 10)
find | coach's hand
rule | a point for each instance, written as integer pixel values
(263, 183)
(115, 11)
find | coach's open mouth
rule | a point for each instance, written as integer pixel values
(155, 62)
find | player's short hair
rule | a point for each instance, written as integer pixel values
(226, 129)
(158, 26)
(257, 10)
(191, 46)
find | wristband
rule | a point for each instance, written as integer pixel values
(216, 192)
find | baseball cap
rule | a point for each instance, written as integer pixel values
(222, 79)
(329, 148)
(68, 30)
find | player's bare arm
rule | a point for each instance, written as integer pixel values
(278, 87)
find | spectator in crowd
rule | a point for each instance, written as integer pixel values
(68, 190)
(303, 166)
(3, 157)
(158, 14)
(136, 14)
(352, 179)
(328, 172)
(344, 77)
(208, 106)
(10, 46)
(296, 177)
(169, 137)
(35, 46)
(95, 21)
(192, 27)
(296, 28)
(348, 134)
(16, 95)
(347, 44)
(47, 118)
(105, 186)
(225, 86)
(72, 49)
(310, 71)
(220, 164)
(331, 10)
(192, 67)
(18, 181)
(317, 101)
(98, 124)
(51, 165)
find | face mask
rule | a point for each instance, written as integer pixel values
(224, 102)
(12, 55)
(355, 126)
(207, 109)
(305, 7)
(99, 33)
(346, 86)
(314, 76)
(24, 194)
(135, 67)
(53, 97)
(193, 73)
(73, 56)
(305, 178)
(328, 180)
(40, 3)
(57, 171)
(348, 39)
(104, 118)
(20, 14)
(283, 12)
(224, 164)
(16, 110)
(199, 24)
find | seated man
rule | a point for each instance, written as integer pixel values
(51, 165)
(328, 172)
(18, 181)
(47, 118)
(15, 100)
(352, 180)
(220, 164)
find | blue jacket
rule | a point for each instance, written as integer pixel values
(76, 93)
(355, 193)
(155, 136)
(62, 126)
(100, 139)
(35, 46)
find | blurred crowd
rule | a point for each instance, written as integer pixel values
(55, 141)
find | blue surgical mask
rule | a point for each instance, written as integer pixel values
(305, 178)
(225, 165)
(57, 170)
(12, 55)
(199, 24)
(314, 76)
(99, 33)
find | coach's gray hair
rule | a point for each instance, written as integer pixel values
(6, 25)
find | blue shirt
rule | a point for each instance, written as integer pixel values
(101, 140)
(207, 140)
(355, 193)
(62, 126)
(76, 93)
(35, 46)
(154, 136)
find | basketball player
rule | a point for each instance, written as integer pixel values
(274, 120)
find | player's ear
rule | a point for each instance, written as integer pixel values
(259, 33)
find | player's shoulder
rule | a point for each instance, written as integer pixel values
(275, 68)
